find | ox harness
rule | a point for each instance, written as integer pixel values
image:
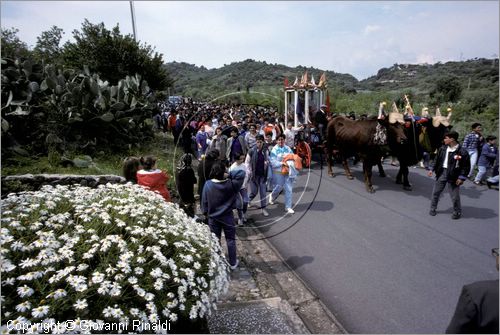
(380, 136)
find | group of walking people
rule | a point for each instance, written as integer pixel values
(483, 153)
(242, 160)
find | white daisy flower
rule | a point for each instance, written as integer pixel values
(172, 317)
(97, 277)
(156, 273)
(23, 307)
(80, 304)
(158, 285)
(40, 311)
(107, 312)
(149, 296)
(9, 281)
(25, 291)
(60, 293)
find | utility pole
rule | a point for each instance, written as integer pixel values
(132, 12)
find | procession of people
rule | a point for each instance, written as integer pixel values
(253, 143)
(231, 133)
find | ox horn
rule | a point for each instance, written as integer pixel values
(381, 108)
(395, 115)
(439, 119)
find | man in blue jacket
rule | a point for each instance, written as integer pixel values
(217, 203)
(451, 166)
(489, 153)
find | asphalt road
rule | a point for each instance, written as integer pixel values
(378, 261)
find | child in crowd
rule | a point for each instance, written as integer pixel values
(130, 167)
(242, 198)
(152, 178)
(185, 184)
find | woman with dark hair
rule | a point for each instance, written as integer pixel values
(205, 167)
(152, 178)
(185, 184)
(219, 142)
(130, 167)
(217, 203)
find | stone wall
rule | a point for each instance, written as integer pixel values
(33, 182)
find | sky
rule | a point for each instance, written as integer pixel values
(354, 37)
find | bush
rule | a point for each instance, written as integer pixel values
(111, 255)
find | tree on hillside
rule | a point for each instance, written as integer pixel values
(447, 89)
(12, 46)
(47, 48)
(115, 56)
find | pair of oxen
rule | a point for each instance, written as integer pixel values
(371, 139)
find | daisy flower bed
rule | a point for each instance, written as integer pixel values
(115, 259)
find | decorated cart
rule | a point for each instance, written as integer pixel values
(303, 98)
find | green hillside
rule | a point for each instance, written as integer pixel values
(482, 73)
(201, 83)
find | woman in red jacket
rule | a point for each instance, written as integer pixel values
(152, 178)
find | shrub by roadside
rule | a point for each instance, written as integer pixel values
(113, 254)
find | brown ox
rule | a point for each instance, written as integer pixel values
(348, 137)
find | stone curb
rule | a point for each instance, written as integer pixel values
(274, 277)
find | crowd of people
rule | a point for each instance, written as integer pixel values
(244, 151)
(241, 153)
(247, 151)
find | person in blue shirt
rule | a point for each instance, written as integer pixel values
(201, 142)
(217, 203)
(473, 142)
(281, 180)
(486, 158)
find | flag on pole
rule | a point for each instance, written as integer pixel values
(312, 80)
(296, 82)
(286, 82)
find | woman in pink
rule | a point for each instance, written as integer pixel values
(152, 178)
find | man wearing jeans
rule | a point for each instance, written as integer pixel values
(217, 203)
(281, 180)
(257, 161)
(472, 143)
(451, 167)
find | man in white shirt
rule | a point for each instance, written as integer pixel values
(451, 166)
(290, 133)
